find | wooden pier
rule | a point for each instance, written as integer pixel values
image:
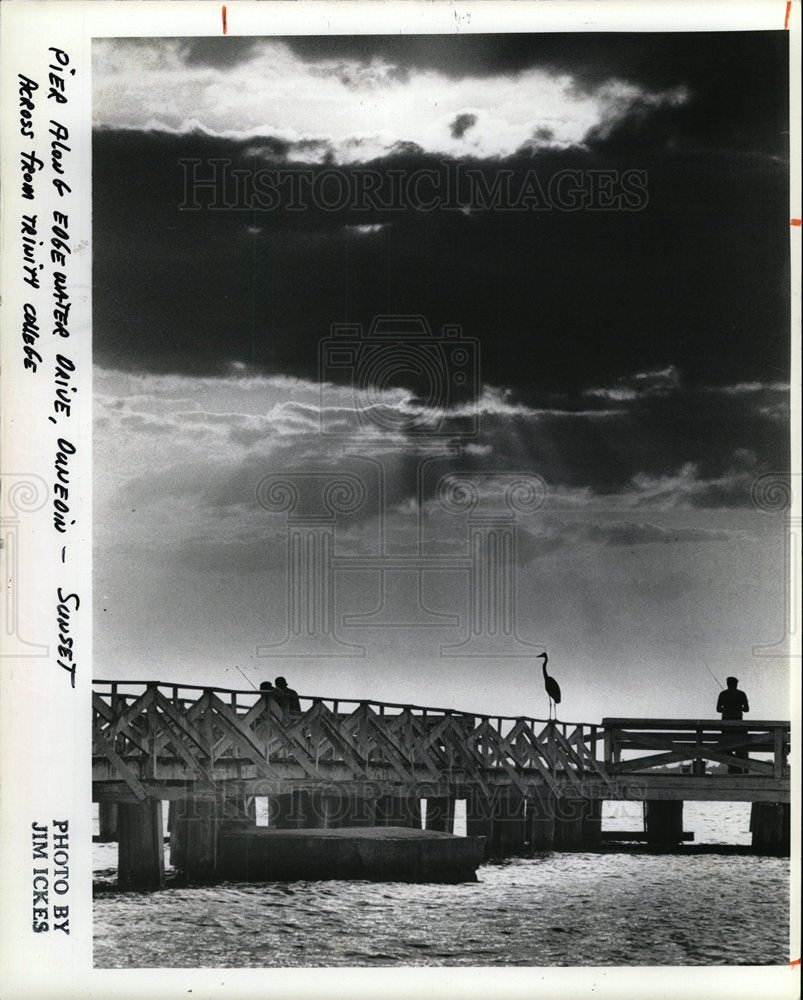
(528, 784)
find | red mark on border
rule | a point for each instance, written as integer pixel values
(786, 19)
(795, 962)
(225, 28)
(795, 222)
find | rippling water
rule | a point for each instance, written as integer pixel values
(609, 908)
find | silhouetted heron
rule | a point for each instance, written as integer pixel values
(552, 687)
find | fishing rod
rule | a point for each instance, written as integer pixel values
(713, 674)
(246, 677)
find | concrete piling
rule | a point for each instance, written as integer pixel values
(107, 822)
(399, 810)
(194, 825)
(348, 807)
(541, 819)
(770, 827)
(510, 833)
(440, 814)
(140, 845)
(663, 821)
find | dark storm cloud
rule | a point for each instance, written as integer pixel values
(697, 279)
(461, 125)
(219, 52)
(648, 319)
(738, 81)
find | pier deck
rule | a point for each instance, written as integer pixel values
(341, 763)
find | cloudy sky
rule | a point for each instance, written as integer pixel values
(614, 254)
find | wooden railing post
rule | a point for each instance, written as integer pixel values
(777, 760)
(608, 748)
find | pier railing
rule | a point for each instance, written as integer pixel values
(150, 731)
(149, 735)
(703, 746)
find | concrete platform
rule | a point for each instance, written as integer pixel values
(379, 854)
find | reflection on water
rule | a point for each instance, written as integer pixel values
(610, 908)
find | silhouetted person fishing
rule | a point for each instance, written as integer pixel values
(285, 695)
(732, 704)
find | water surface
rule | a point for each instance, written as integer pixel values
(558, 909)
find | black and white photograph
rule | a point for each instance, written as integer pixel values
(444, 495)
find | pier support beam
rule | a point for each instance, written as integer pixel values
(289, 811)
(193, 837)
(568, 824)
(592, 823)
(663, 821)
(503, 819)
(578, 823)
(399, 810)
(348, 807)
(321, 809)
(479, 817)
(440, 814)
(770, 827)
(541, 807)
(107, 822)
(510, 833)
(140, 845)
(238, 810)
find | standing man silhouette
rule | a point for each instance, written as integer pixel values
(286, 695)
(732, 703)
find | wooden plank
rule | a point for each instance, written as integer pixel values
(342, 740)
(778, 754)
(503, 758)
(522, 740)
(180, 720)
(192, 761)
(702, 788)
(227, 720)
(125, 772)
(758, 767)
(428, 743)
(138, 707)
(389, 744)
(568, 749)
(553, 751)
(471, 759)
(600, 770)
(140, 740)
(293, 745)
(415, 734)
(658, 760)
(694, 724)
(757, 743)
